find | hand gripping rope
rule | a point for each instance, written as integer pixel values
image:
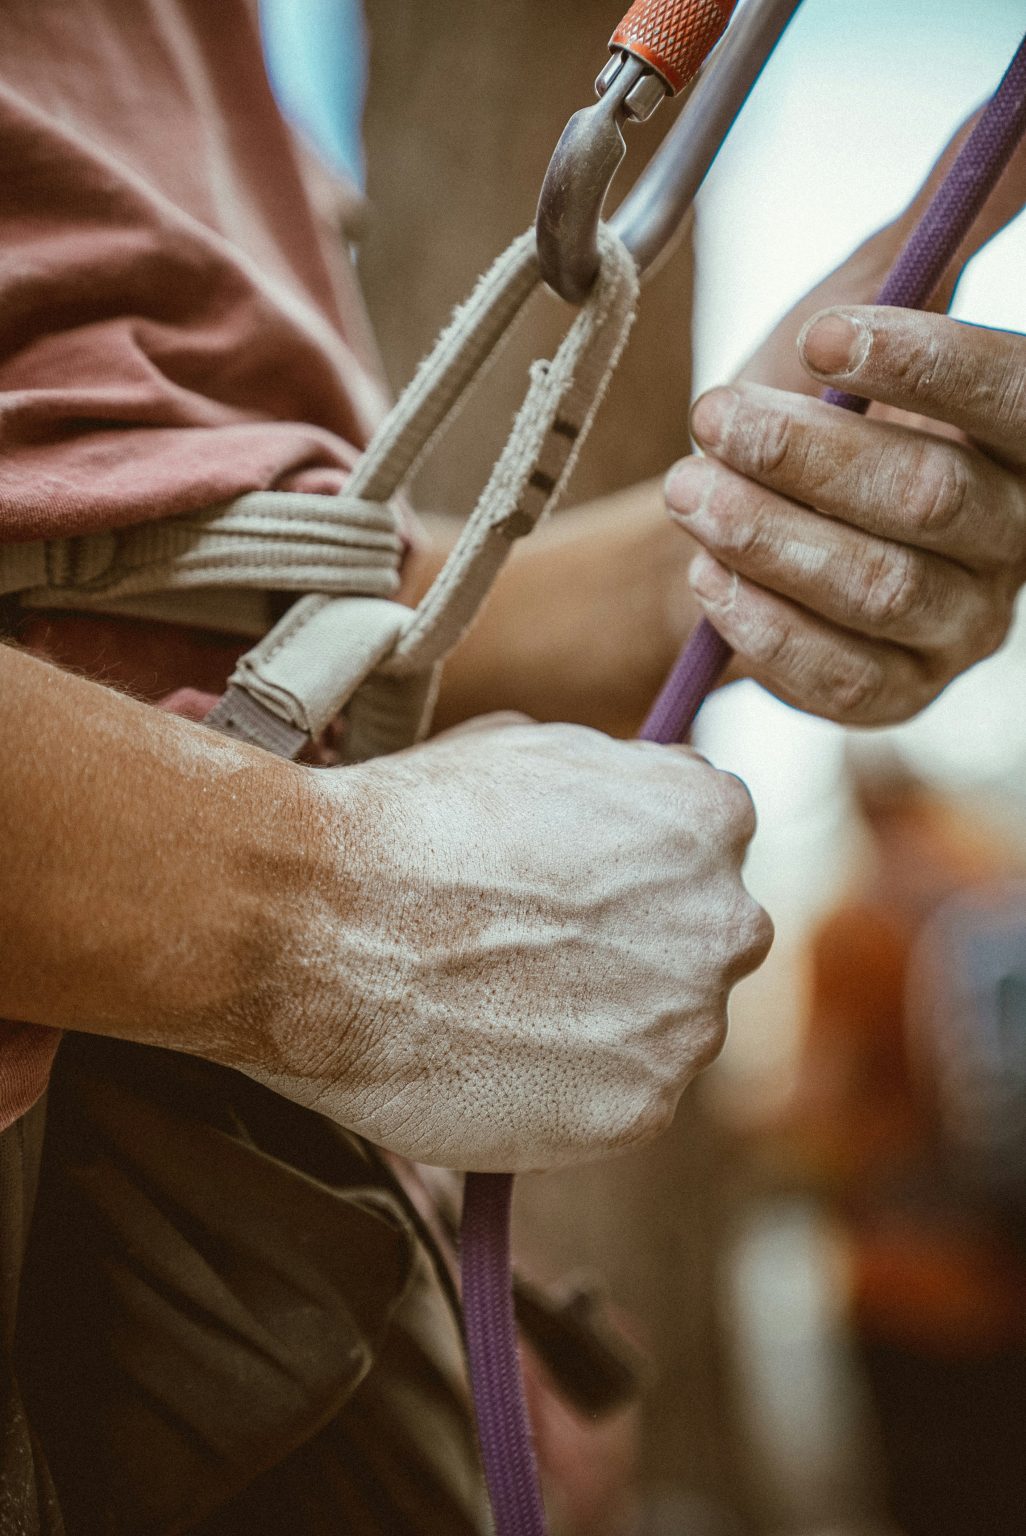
(379, 660)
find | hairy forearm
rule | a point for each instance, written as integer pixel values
(141, 856)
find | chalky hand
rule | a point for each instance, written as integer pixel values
(858, 565)
(526, 954)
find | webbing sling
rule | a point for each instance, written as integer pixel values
(381, 659)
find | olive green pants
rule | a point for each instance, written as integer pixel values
(219, 1315)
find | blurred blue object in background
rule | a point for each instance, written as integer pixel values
(317, 62)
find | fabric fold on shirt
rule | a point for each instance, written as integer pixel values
(171, 330)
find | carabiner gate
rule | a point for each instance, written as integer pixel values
(657, 51)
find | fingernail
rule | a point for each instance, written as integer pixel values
(708, 579)
(688, 488)
(711, 416)
(834, 344)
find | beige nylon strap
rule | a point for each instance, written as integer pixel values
(382, 659)
(294, 670)
(266, 541)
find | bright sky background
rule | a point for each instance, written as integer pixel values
(316, 53)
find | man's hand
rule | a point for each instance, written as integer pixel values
(515, 946)
(509, 948)
(856, 566)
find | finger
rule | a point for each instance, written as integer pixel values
(966, 375)
(886, 479)
(727, 802)
(807, 662)
(859, 581)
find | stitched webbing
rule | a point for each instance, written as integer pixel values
(263, 541)
(316, 659)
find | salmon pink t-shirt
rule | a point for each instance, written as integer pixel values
(176, 326)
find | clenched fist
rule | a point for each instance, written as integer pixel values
(515, 946)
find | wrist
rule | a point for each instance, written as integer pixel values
(311, 924)
(142, 854)
(248, 914)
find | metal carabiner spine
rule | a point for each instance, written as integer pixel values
(630, 88)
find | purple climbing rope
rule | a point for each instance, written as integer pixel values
(490, 1328)
(489, 1323)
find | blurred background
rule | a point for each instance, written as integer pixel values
(825, 1260)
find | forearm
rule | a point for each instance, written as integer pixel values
(583, 622)
(386, 944)
(141, 853)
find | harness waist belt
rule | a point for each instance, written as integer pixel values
(213, 567)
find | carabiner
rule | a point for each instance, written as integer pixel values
(657, 49)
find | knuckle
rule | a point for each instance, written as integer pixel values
(744, 938)
(918, 367)
(735, 537)
(937, 490)
(710, 1040)
(737, 808)
(855, 688)
(928, 678)
(768, 441)
(733, 525)
(766, 643)
(892, 587)
(754, 934)
(1010, 395)
(997, 609)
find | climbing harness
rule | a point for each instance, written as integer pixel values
(381, 658)
(216, 567)
(348, 648)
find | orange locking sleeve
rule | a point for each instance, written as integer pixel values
(674, 36)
